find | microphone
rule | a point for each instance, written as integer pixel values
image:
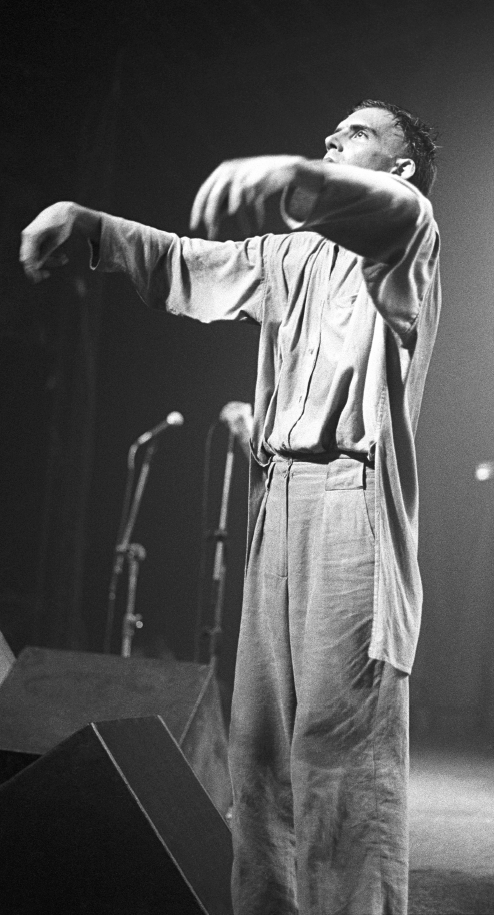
(173, 419)
(238, 417)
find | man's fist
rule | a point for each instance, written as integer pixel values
(42, 237)
(242, 183)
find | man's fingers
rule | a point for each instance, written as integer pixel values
(35, 274)
(32, 246)
(58, 259)
(28, 254)
(201, 198)
(38, 263)
(236, 196)
(30, 261)
(211, 202)
(216, 207)
(196, 212)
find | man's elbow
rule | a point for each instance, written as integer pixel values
(413, 221)
(418, 213)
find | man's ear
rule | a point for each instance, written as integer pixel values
(405, 168)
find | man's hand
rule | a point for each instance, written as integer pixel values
(244, 183)
(42, 238)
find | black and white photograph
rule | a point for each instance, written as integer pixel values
(247, 458)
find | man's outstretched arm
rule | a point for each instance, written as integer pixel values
(369, 212)
(378, 216)
(43, 237)
(205, 280)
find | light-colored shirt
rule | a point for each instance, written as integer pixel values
(348, 314)
(324, 372)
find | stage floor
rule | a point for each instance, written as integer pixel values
(451, 831)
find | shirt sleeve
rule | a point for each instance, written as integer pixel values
(208, 281)
(386, 221)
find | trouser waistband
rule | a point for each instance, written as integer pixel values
(312, 457)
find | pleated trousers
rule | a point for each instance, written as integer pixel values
(319, 733)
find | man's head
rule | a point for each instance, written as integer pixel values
(384, 137)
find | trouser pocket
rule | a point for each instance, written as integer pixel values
(350, 491)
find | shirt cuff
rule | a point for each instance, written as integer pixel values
(98, 250)
(105, 254)
(94, 249)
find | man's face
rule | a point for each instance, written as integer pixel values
(368, 138)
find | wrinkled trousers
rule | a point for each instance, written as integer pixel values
(319, 733)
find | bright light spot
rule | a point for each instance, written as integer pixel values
(484, 471)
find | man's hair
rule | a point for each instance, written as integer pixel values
(419, 142)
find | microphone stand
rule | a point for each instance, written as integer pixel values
(219, 567)
(132, 620)
(238, 417)
(134, 553)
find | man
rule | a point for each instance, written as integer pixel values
(348, 310)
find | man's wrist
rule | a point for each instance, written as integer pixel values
(310, 176)
(299, 199)
(87, 222)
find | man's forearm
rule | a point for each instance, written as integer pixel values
(368, 212)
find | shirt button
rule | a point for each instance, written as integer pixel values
(300, 399)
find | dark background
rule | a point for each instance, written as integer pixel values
(128, 107)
